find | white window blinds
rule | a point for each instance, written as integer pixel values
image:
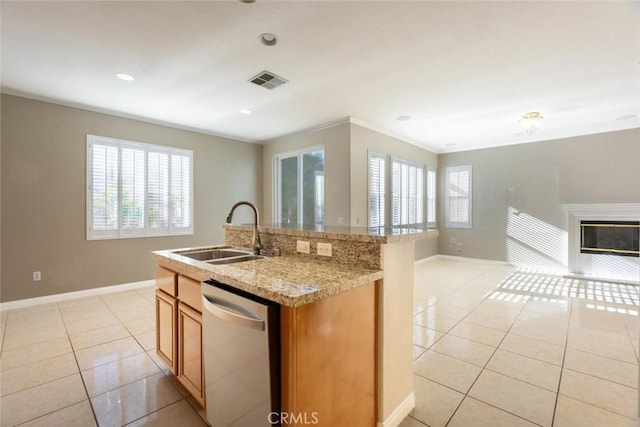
(431, 197)
(137, 190)
(376, 190)
(180, 193)
(407, 198)
(458, 196)
(104, 184)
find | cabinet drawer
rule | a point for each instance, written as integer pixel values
(189, 292)
(167, 280)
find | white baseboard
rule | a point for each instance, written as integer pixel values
(425, 260)
(400, 413)
(474, 260)
(10, 305)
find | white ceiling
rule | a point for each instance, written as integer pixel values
(464, 71)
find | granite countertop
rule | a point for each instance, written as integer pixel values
(288, 280)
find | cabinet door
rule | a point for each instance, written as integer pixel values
(191, 373)
(167, 330)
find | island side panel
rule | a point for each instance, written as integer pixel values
(395, 333)
(329, 360)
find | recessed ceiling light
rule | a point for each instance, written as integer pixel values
(403, 118)
(268, 39)
(245, 111)
(126, 77)
(450, 144)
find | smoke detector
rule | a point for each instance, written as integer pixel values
(267, 80)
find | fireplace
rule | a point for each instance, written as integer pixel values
(621, 238)
(603, 241)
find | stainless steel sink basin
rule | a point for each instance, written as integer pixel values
(221, 255)
(235, 259)
(214, 254)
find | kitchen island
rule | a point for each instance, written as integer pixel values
(346, 320)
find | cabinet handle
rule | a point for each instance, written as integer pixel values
(220, 312)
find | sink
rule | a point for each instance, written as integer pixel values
(221, 255)
(232, 260)
(214, 254)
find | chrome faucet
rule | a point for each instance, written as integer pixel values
(256, 219)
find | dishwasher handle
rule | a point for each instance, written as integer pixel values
(221, 312)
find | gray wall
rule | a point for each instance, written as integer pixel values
(363, 140)
(522, 187)
(335, 140)
(346, 171)
(44, 193)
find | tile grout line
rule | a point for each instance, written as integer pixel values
(466, 394)
(75, 357)
(562, 366)
(564, 357)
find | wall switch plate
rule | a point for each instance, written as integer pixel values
(37, 276)
(302, 247)
(325, 249)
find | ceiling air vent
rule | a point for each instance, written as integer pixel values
(267, 80)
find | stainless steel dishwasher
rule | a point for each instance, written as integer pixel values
(240, 338)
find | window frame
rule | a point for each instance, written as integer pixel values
(277, 179)
(383, 183)
(448, 172)
(388, 193)
(421, 204)
(145, 231)
(432, 187)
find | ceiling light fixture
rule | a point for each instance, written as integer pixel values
(245, 111)
(530, 122)
(403, 118)
(268, 39)
(126, 77)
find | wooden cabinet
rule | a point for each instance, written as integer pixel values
(328, 351)
(190, 372)
(179, 328)
(166, 330)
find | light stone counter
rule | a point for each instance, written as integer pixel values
(288, 280)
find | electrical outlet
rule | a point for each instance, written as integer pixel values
(325, 249)
(302, 247)
(37, 276)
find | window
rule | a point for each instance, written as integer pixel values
(405, 203)
(376, 190)
(299, 190)
(458, 196)
(431, 197)
(137, 190)
(407, 193)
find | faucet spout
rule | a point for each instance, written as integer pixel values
(257, 245)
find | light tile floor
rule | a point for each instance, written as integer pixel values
(493, 346)
(87, 362)
(496, 346)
